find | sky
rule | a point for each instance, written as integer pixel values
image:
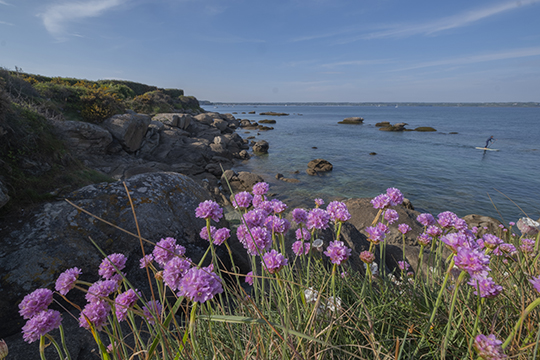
(286, 50)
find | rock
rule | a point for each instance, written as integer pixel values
(261, 147)
(289, 180)
(267, 121)
(382, 123)
(395, 127)
(242, 181)
(56, 237)
(220, 124)
(352, 120)
(271, 113)
(372, 153)
(453, 132)
(170, 119)
(205, 118)
(82, 137)
(244, 155)
(425, 129)
(128, 129)
(4, 197)
(251, 112)
(481, 222)
(264, 128)
(318, 165)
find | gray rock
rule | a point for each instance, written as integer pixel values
(4, 197)
(128, 129)
(261, 147)
(242, 181)
(57, 236)
(318, 165)
(82, 137)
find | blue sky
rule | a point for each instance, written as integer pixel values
(286, 50)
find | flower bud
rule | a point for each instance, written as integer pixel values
(3, 349)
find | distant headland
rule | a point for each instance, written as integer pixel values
(379, 104)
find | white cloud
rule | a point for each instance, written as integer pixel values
(357, 63)
(2, 2)
(463, 19)
(503, 55)
(451, 22)
(5, 23)
(56, 16)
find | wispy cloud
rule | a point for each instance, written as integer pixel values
(451, 22)
(2, 2)
(231, 40)
(473, 59)
(56, 16)
(430, 28)
(5, 23)
(358, 63)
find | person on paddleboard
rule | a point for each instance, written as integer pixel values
(489, 140)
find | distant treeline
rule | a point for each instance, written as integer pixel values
(378, 104)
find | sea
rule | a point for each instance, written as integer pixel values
(437, 171)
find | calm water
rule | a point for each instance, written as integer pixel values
(437, 171)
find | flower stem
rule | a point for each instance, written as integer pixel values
(449, 324)
(526, 312)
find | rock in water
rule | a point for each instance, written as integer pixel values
(318, 165)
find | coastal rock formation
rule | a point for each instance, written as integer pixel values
(130, 144)
(352, 120)
(261, 147)
(267, 121)
(382, 123)
(425, 129)
(57, 237)
(241, 181)
(317, 166)
(271, 113)
(289, 180)
(129, 129)
(395, 127)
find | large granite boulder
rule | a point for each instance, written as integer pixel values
(82, 137)
(129, 129)
(57, 236)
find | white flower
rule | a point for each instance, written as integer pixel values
(311, 295)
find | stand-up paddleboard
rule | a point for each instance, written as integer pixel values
(484, 148)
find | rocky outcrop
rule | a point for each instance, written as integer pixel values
(425, 129)
(241, 181)
(129, 129)
(395, 127)
(289, 180)
(352, 120)
(57, 236)
(318, 166)
(130, 144)
(271, 113)
(261, 147)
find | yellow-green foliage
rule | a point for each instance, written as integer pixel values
(98, 105)
(152, 102)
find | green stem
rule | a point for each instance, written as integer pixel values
(450, 314)
(63, 340)
(526, 312)
(475, 327)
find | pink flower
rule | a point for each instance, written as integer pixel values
(299, 216)
(41, 324)
(302, 234)
(404, 228)
(489, 347)
(396, 197)
(200, 285)
(174, 270)
(152, 311)
(249, 278)
(425, 219)
(123, 302)
(96, 312)
(209, 210)
(260, 188)
(338, 211)
(381, 201)
(66, 280)
(391, 215)
(107, 268)
(337, 252)
(367, 257)
(318, 219)
(273, 261)
(243, 199)
(35, 302)
(300, 248)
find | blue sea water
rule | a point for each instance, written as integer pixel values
(437, 171)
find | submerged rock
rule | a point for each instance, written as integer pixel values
(319, 165)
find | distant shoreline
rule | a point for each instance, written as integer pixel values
(379, 104)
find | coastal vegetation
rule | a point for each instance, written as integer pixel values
(28, 104)
(471, 296)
